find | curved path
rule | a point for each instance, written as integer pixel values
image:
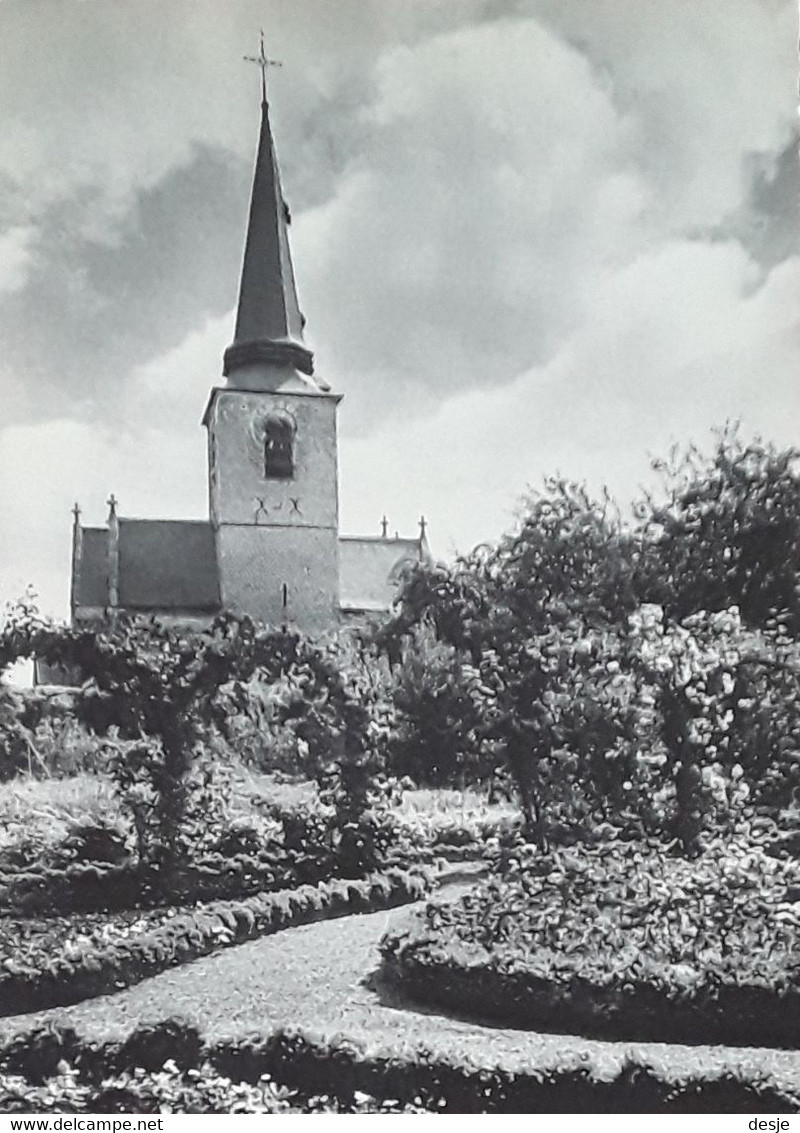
(314, 977)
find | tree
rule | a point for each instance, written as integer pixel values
(434, 739)
(727, 532)
(160, 690)
(570, 553)
(520, 616)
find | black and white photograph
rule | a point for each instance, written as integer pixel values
(399, 559)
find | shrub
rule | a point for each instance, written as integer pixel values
(33, 979)
(292, 1071)
(434, 736)
(620, 941)
(162, 690)
(726, 532)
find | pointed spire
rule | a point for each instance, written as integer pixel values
(269, 325)
(424, 547)
(113, 554)
(77, 556)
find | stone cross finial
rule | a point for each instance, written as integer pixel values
(423, 526)
(384, 528)
(112, 507)
(263, 63)
(76, 512)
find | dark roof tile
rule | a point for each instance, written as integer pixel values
(91, 584)
(167, 564)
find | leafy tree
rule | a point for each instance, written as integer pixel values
(159, 690)
(519, 615)
(434, 738)
(570, 554)
(726, 708)
(726, 532)
(455, 601)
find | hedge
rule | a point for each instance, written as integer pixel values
(619, 942)
(340, 1071)
(86, 886)
(728, 1014)
(219, 924)
(319, 1065)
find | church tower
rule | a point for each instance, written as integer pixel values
(271, 547)
(272, 447)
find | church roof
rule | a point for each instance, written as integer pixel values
(90, 582)
(167, 564)
(370, 567)
(269, 325)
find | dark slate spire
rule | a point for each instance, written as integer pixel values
(269, 325)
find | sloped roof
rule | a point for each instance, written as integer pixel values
(167, 564)
(269, 325)
(370, 567)
(91, 581)
(164, 565)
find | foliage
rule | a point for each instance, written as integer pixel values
(161, 690)
(726, 703)
(102, 962)
(620, 940)
(605, 708)
(455, 1082)
(434, 736)
(362, 826)
(169, 1069)
(532, 621)
(16, 746)
(171, 1090)
(39, 735)
(726, 532)
(454, 825)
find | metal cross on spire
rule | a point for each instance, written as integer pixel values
(263, 63)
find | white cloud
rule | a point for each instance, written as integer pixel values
(15, 257)
(704, 88)
(626, 386)
(508, 269)
(176, 385)
(509, 175)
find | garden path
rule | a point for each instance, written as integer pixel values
(313, 976)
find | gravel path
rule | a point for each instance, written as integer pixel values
(314, 977)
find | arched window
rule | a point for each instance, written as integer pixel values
(278, 448)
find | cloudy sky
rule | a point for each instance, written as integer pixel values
(530, 236)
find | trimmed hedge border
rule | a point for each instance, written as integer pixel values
(727, 1014)
(187, 937)
(338, 1068)
(80, 886)
(315, 1065)
(87, 886)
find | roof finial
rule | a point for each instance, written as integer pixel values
(112, 507)
(76, 512)
(423, 526)
(263, 63)
(384, 528)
